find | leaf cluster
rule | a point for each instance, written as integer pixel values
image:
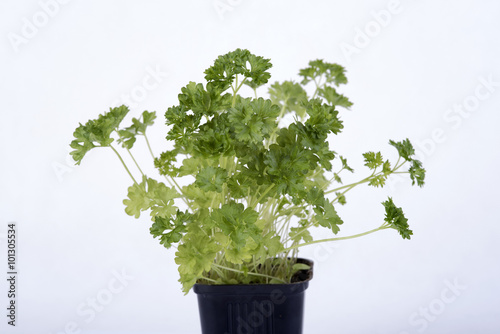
(257, 186)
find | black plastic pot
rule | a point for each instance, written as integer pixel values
(254, 308)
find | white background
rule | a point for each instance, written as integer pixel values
(420, 62)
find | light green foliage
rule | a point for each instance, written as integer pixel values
(237, 223)
(96, 133)
(290, 97)
(257, 187)
(150, 194)
(211, 179)
(138, 127)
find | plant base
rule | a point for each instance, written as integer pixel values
(253, 308)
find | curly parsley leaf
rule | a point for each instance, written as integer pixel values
(323, 118)
(96, 133)
(406, 151)
(195, 256)
(396, 219)
(417, 173)
(405, 148)
(175, 227)
(334, 98)
(333, 73)
(326, 215)
(373, 160)
(226, 67)
(289, 96)
(211, 179)
(204, 102)
(128, 136)
(253, 119)
(237, 222)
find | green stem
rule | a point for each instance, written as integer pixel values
(272, 136)
(170, 181)
(248, 273)
(383, 227)
(366, 179)
(235, 90)
(123, 163)
(136, 164)
(149, 146)
(318, 87)
(209, 279)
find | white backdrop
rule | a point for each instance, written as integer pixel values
(426, 70)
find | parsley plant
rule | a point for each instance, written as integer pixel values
(257, 188)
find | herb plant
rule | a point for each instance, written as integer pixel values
(241, 191)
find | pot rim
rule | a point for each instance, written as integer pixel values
(258, 288)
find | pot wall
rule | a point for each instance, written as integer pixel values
(254, 308)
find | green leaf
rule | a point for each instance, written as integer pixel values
(378, 180)
(195, 256)
(211, 179)
(334, 98)
(273, 245)
(203, 101)
(300, 266)
(288, 163)
(396, 219)
(326, 215)
(96, 133)
(237, 222)
(199, 198)
(345, 165)
(253, 119)
(258, 73)
(238, 255)
(333, 73)
(138, 200)
(213, 138)
(373, 160)
(386, 168)
(128, 135)
(405, 148)
(406, 151)
(166, 163)
(175, 227)
(417, 173)
(191, 166)
(226, 67)
(162, 199)
(300, 233)
(340, 198)
(323, 118)
(150, 194)
(290, 96)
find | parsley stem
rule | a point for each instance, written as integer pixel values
(130, 153)
(149, 146)
(209, 279)
(123, 163)
(133, 159)
(235, 90)
(172, 181)
(248, 273)
(352, 185)
(383, 227)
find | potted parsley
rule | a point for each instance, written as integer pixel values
(238, 192)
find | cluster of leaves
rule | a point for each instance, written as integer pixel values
(258, 187)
